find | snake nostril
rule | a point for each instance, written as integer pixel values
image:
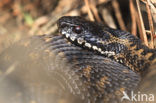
(63, 25)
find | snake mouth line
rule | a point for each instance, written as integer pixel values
(81, 42)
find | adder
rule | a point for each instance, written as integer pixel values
(86, 63)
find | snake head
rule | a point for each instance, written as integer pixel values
(77, 26)
(82, 32)
(72, 28)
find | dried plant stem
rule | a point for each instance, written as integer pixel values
(118, 14)
(140, 23)
(95, 11)
(150, 24)
(132, 11)
(89, 11)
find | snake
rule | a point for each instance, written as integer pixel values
(86, 62)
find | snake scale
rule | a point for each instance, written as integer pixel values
(87, 63)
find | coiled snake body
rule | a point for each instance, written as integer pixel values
(90, 63)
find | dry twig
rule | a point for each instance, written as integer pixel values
(150, 23)
(140, 23)
(118, 15)
(132, 11)
(95, 11)
(89, 10)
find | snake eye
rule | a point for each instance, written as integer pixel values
(77, 29)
